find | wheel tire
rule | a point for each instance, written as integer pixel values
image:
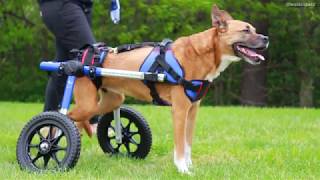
(107, 139)
(64, 131)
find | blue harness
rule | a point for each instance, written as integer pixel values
(162, 60)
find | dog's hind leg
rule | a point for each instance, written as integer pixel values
(109, 101)
(86, 103)
(180, 109)
(190, 129)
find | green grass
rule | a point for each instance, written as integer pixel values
(230, 143)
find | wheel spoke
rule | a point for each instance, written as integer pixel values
(132, 141)
(128, 126)
(122, 125)
(127, 147)
(56, 148)
(40, 135)
(54, 157)
(57, 139)
(46, 159)
(134, 133)
(117, 148)
(39, 155)
(33, 145)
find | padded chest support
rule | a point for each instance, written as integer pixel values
(162, 60)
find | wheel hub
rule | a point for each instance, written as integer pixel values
(125, 136)
(44, 147)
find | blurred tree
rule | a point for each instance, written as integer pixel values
(308, 53)
(23, 39)
(290, 76)
(294, 53)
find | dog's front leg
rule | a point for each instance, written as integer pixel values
(180, 109)
(86, 104)
(190, 129)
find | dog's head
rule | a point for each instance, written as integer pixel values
(238, 38)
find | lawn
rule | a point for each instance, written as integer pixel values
(229, 143)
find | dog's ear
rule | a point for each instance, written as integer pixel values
(219, 17)
(225, 15)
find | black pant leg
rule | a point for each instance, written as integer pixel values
(71, 28)
(54, 92)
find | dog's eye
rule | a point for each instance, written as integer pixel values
(246, 31)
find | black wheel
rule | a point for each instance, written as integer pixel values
(136, 134)
(50, 141)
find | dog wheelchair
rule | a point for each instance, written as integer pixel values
(51, 140)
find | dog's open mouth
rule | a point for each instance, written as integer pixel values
(249, 54)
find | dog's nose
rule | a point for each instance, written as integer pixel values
(265, 39)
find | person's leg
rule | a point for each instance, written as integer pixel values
(56, 83)
(70, 25)
(76, 27)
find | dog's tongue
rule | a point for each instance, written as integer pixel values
(251, 53)
(261, 57)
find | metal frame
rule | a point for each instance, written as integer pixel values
(67, 96)
(118, 125)
(54, 66)
(68, 92)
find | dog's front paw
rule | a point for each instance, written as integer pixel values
(189, 162)
(188, 157)
(182, 166)
(94, 128)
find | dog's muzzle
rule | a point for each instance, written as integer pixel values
(251, 53)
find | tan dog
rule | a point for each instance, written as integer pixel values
(203, 56)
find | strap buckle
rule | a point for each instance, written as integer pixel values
(92, 72)
(165, 42)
